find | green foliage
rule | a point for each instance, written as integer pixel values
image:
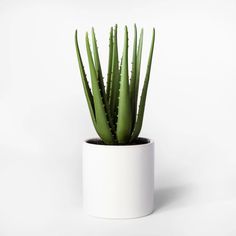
(113, 109)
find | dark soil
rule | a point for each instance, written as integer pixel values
(138, 141)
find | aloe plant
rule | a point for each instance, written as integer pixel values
(113, 109)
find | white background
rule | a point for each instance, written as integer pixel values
(190, 113)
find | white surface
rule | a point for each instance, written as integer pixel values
(190, 113)
(118, 181)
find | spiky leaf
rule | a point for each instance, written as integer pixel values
(115, 78)
(124, 122)
(102, 123)
(108, 88)
(97, 63)
(138, 68)
(133, 77)
(139, 121)
(87, 91)
(100, 80)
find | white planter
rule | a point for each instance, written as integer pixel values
(118, 181)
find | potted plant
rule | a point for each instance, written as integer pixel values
(118, 167)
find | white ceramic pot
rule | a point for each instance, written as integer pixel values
(118, 181)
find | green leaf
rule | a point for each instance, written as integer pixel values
(87, 91)
(97, 64)
(124, 122)
(138, 124)
(100, 80)
(102, 123)
(133, 78)
(108, 88)
(115, 78)
(138, 67)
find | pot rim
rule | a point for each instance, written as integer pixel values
(150, 142)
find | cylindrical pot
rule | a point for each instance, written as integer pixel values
(118, 181)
